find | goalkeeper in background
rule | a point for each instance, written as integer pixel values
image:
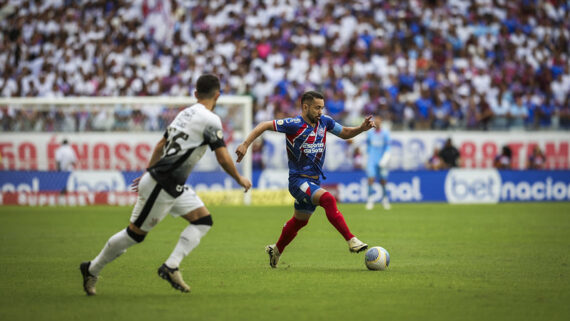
(378, 150)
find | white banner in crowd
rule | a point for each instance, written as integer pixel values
(410, 150)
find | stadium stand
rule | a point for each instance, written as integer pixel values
(474, 65)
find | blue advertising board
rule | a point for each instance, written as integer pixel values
(454, 186)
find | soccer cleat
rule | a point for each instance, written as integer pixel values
(174, 277)
(355, 245)
(386, 203)
(369, 205)
(274, 255)
(88, 279)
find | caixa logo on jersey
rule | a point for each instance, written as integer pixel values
(96, 181)
(472, 186)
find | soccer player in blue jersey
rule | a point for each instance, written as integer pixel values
(378, 150)
(305, 142)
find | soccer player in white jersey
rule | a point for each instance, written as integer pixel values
(65, 157)
(162, 190)
(378, 150)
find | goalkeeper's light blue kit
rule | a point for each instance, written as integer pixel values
(378, 144)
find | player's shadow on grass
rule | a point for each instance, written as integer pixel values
(320, 269)
(134, 297)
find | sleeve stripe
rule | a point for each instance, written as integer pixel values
(336, 129)
(274, 126)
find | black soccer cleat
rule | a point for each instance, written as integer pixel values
(89, 280)
(174, 277)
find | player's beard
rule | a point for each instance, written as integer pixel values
(314, 119)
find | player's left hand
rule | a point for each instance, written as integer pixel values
(245, 183)
(368, 123)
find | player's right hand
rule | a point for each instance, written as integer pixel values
(245, 183)
(135, 184)
(240, 151)
(368, 123)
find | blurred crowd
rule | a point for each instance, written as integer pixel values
(449, 157)
(455, 64)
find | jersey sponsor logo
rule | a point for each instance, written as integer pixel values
(312, 134)
(183, 118)
(313, 148)
(292, 120)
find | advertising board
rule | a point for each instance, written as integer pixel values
(457, 186)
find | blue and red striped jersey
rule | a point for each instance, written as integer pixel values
(306, 144)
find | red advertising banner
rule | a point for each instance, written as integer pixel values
(410, 150)
(68, 199)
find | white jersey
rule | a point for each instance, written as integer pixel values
(65, 158)
(187, 138)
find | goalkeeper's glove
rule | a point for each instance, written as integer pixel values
(384, 160)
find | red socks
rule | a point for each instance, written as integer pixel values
(289, 232)
(328, 202)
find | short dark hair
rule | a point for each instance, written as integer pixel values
(311, 95)
(207, 85)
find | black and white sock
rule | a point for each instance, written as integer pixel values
(116, 245)
(189, 239)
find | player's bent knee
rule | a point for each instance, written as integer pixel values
(327, 198)
(137, 237)
(204, 220)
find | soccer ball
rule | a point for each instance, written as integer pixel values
(377, 258)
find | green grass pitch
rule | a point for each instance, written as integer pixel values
(448, 262)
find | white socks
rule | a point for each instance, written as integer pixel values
(117, 245)
(121, 241)
(189, 239)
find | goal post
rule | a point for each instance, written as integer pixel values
(243, 104)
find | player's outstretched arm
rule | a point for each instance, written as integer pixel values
(350, 132)
(256, 132)
(157, 152)
(225, 160)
